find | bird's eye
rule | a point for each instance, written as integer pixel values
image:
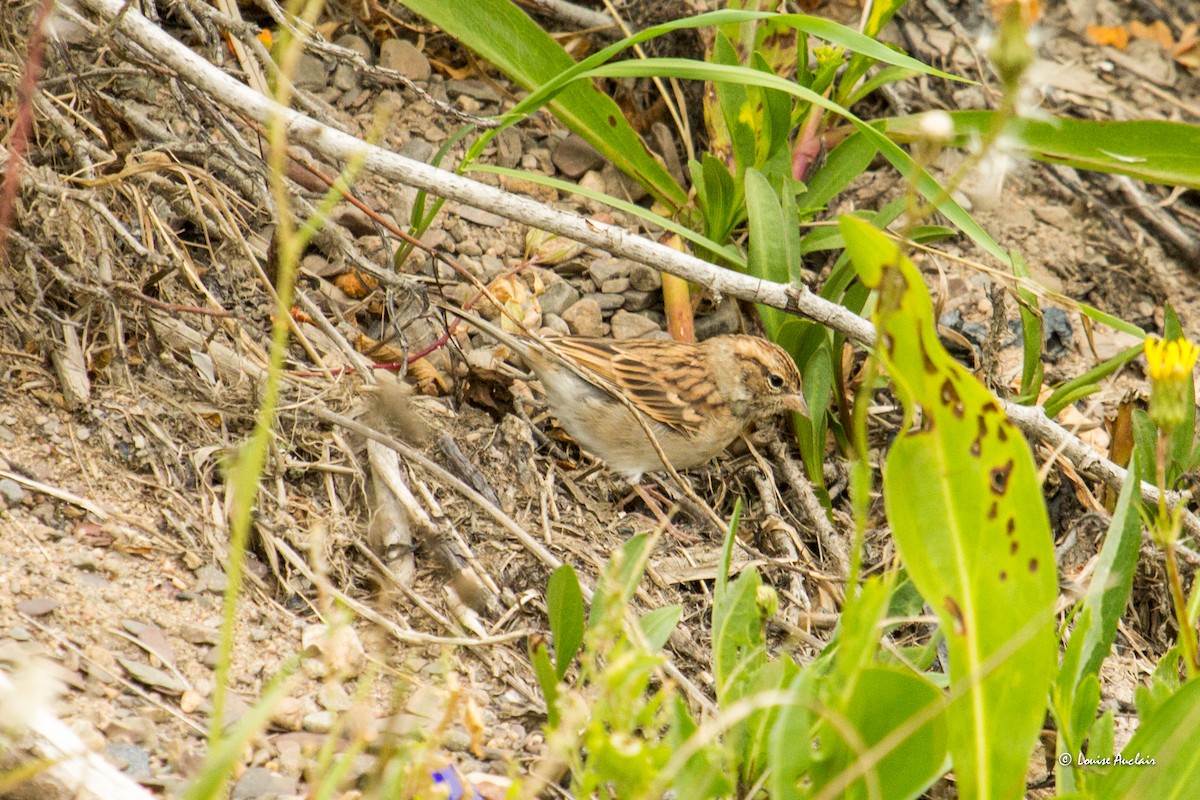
(775, 381)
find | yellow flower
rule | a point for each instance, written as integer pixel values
(1170, 367)
(1171, 360)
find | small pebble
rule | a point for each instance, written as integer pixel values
(37, 606)
(631, 326)
(403, 56)
(557, 298)
(605, 269)
(607, 302)
(615, 286)
(556, 323)
(311, 73)
(417, 149)
(645, 279)
(260, 782)
(11, 492)
(318, 721)
(44, 513)
(133, 760)
(639, 301)
(585, 319)
(573, 156)
(210, 578)
(480, 217)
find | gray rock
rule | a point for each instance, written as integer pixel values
(469, 247)
(11, 492)
(573, 156)
(480, 217)
(473, 88)
(558, 297)
(585, 318)
(311, 73)
(492, 266)
(134, 761)
(44, 513)
(606, 269)
(639, 301)
(645, 279)
(555, 323)
(417, 148)
(615, 286)
(354, 42)
(631, 326)
(508, 148)
(37, 606)
(403, 56)
(260, 782)
(725, 319)
(607, 302)
(345, 77)
(210, 578)
(318, 722)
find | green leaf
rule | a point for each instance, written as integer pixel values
(774, 242)
(878, 15)
(1113, 578)
(881, 78)
(1088, 382)
(726, 252)
(1101, 738)
(910, 170)
(1157, 151)
(737, 639)
(658, 624)
(705, 774)
(1182, 437)
(564, 606)
(967, 514)
(734, 102)
(722, 583)
(547, 679)
(905, 716)
(789, 748)
(858, 636)
(843, 164)
(750, 739)
(1031, 328)
(1145, 441)
(1166, 746)
(620, 578)
(1083, 708)
(505, 36)
(719, 199)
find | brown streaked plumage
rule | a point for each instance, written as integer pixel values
(697, 398)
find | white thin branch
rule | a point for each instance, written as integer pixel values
(335, 144)
(72, 770)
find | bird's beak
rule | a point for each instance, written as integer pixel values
(796, 403)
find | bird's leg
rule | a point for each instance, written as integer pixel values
(651, 498)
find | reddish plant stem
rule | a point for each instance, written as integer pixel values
(23, 124)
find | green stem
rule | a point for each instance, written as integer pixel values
(1168, 525)
(1187, 634)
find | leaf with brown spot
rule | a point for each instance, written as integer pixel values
(967, 513)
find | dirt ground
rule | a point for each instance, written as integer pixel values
(114, 498)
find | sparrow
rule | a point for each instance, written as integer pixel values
(695, 397)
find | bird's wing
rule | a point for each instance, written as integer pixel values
(659, 379)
